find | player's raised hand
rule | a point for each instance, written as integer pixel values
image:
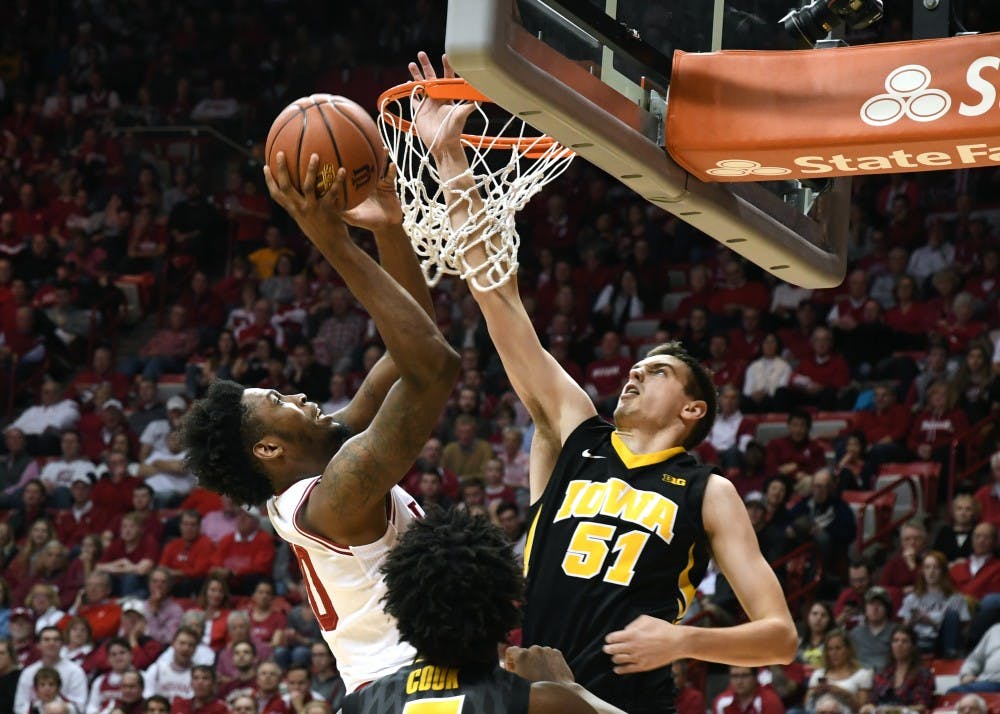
(538, 664)
(646, 643)
(381, 208)
(438, 122)
(317, 216)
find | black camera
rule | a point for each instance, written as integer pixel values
(813, 22)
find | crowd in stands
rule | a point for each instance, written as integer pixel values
(124, 587)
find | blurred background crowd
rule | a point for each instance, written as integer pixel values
(141, 258)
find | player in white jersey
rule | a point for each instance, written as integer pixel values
(329, 479)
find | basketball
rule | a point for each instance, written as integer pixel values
(340, 132)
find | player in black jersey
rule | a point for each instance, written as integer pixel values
(622, 517)
(453, 586)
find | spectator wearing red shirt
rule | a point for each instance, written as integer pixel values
(699, 291)
(51, 567)
(130, 557)
(688, 699)
(905, 223)
(101, 370)
(204, 700)
(82, 517)
(268, 695)
(900, 571)
(244, 557)
(113, 491)
(819, 379)
(168, 350)
(261, 326)
(984, 284)
(606, 375)
(849, 609)
(846, 314)
(188, 558)
(886, 428)
(908, 316)
(22, 635)
(266, 620)
(935, 427)
(796, 455)
(959, 329)
(745, 340)
(206, 309)
(738, 293)
(142, 505)
(96, 606)
(988, 495)
(979, 575)
(797, 339)
(29, 217)
(745, 696)
(726, 369)
(97, 434)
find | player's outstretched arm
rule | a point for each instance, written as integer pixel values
(381, 214)
(556, 403)
(348, 506)
(554, 690)
(769, 638)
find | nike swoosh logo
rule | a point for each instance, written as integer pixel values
(588, 455)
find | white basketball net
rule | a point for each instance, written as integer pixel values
(504, 190)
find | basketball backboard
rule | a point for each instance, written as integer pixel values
(595, 75)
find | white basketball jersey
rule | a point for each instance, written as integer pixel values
(345, 586)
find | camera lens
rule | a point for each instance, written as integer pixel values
(811, 23)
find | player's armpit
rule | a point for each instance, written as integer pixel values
(348, 505)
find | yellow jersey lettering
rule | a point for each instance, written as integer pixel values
(426, 678)
(451, 681)
(593, 498)
(660, 518)
(667, 478)
(413, 681)
(569, 500)
(617, 499)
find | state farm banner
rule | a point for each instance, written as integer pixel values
(904, 106)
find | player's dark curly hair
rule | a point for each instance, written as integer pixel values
(699, 386)
(454, 588)
(219, 434)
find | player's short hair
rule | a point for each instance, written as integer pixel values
(219, 434)
(453, 587)
(699, 386)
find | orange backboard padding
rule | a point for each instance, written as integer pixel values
(904, 106)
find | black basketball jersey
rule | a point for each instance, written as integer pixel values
(422, 688)
(615, 535)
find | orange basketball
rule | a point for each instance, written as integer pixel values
(340, 132)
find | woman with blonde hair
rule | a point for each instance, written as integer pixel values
(39, 534)
(841, 675)
(91, 549)
(934, 609)
(43, 601)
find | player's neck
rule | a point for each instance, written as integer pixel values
(642, 440)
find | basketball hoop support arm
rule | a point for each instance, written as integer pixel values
(557, 96)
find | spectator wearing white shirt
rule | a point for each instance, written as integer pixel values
(166, 472)
(765, 375)
(934, 256)
(170, 674)
(725, 436)
(74, 680)
(59, 475)
(43, 423)
(217, 107)
(154, 436)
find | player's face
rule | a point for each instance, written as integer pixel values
(655, 393)
(292, 416)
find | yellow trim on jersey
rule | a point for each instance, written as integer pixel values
(635, 461)
(685, 586)
(530, 539)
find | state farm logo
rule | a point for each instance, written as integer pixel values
(907, 94)
(734, 168)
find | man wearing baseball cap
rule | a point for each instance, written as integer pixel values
(154, 436)
(872, 637)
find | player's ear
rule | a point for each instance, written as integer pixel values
(695, 409)
(268, 448)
